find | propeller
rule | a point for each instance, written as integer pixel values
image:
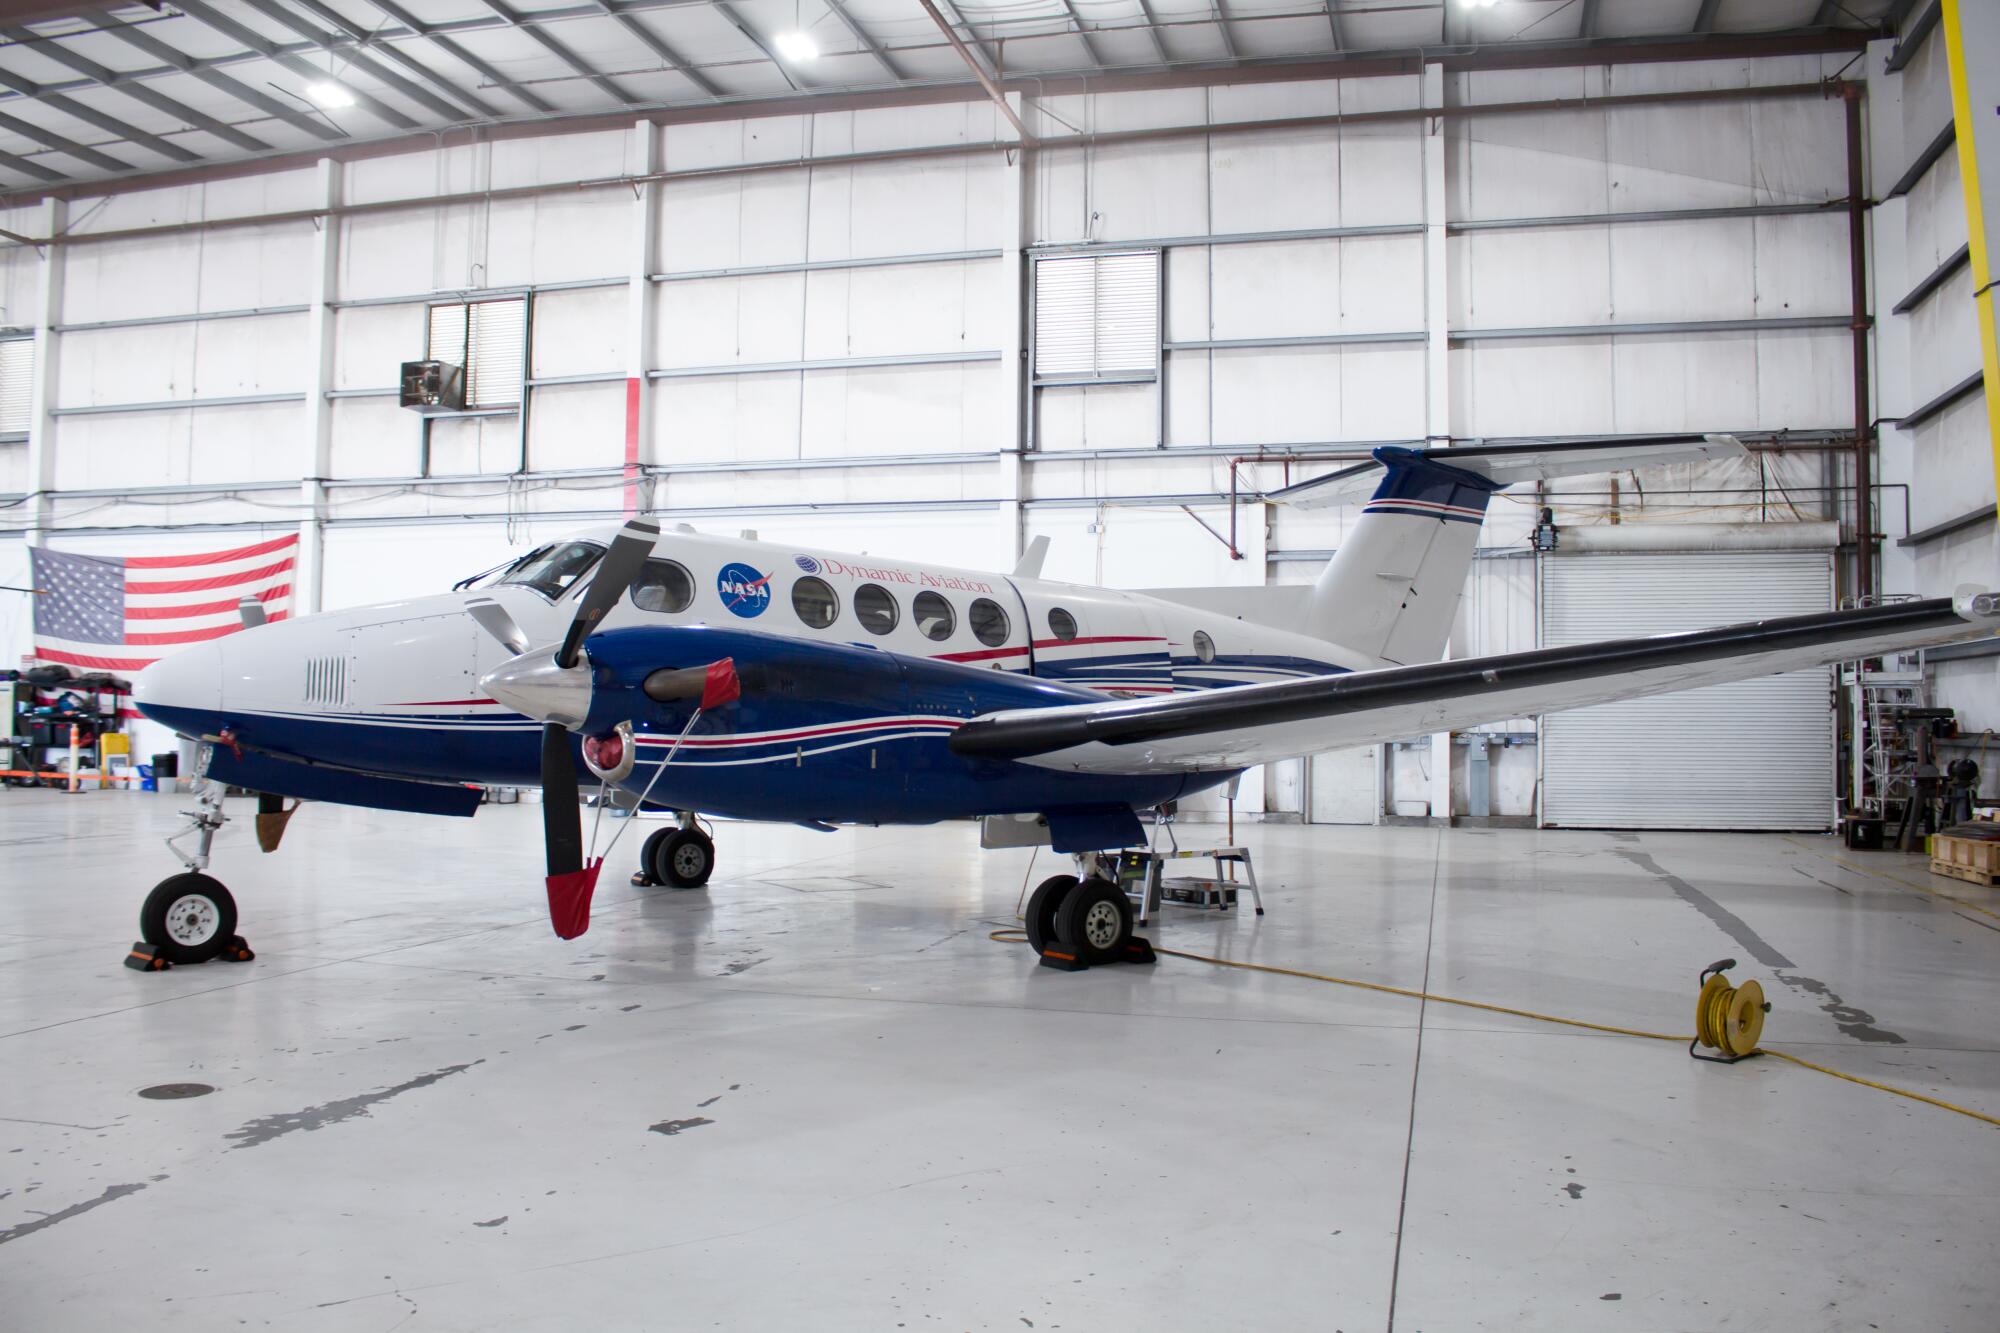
(556, 688)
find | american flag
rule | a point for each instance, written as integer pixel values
(111, 614)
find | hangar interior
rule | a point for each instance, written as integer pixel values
(960, 279)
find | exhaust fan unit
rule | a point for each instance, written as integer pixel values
(433, 387)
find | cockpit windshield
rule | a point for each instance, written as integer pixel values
(554, 570)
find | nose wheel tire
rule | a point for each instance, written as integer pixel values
(1043, 905)
(649, 855)
(1095, 920)
(190, 918)
(685, 858)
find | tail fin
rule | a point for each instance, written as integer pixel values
(1392, 588)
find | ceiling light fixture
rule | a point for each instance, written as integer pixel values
(333, 96)
(797, 47)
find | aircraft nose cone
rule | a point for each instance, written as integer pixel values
(190, 679)
(534, 686)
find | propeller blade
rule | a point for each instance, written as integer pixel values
(615, 573)
(493, 618)
(570, 881)
(562, 819)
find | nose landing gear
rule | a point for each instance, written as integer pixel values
(190, 917)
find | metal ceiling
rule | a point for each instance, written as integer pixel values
(120, 91)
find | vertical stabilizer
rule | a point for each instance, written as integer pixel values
(1392, 589)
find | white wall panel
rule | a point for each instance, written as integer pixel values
(188, 445)
(919, 308)
(404, 253)
(372, 437)
(221, 358)
(1381, 174)
(712, 418)
(371, 342)
(1381, 393)
(379, 564)
(1500, 279)
(577, 425)
(1801, 265)
(1683, 270)
(473, 446)
(730, 321)
(1096, 416)
(131, 279)
(1279, 180)
(1680, 156)
(1189, 403)
(1935, 220)
(227, 197)
(14, 469)
(905, 409)
(717, 143)
(1684, 383)
(1954, 460)
(747, 489)
(580, 332)
(1533, 386)
(556, 238)
(1148, 189)
(369, 180)
(911, 207)
(564, 157)
(1544, 165)
(1805, 379)
(1948, 327)
(1800, 149)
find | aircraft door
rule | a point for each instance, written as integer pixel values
(1098, 638)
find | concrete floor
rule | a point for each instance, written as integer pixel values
(816, 1096)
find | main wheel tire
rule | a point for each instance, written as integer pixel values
(189, 917)
(1096, 920)
(1043, 904)
(685, 859)
(649, 855)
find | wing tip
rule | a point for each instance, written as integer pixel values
(1976, 604)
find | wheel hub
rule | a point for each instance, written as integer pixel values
(1100, 925)
(689, 860)
(192, 920)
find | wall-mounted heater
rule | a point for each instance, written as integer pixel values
(433, 387)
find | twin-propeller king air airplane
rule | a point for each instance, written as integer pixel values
(753, 680)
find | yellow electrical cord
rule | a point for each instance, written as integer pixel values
(1019, 937)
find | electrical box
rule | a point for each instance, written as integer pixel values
(433, 387)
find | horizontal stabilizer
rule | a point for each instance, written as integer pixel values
(1506, 464)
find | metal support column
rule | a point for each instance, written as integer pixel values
(42, 392)
(1437, 351)
(316, 464)
(643, 258)
(1014, 369)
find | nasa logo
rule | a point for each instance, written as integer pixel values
(807, 563)
(744, 591)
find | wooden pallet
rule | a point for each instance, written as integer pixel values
(1969, 859)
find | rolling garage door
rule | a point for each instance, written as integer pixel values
(1753, 754)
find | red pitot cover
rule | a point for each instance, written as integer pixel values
(569, 900)
(722, 686)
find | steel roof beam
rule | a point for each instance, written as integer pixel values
(1333, 25)
(555, 48)
(1083, 34)
(56, 51)
(81, 152)
(1827, 12)
(451, 48)
(674, 59)
(1704, 19)
(186, 64)
(868, 42)
(29, 167)
(91, 116)
(999, 98)
(1228, 36)
(972, 34)
(737, 21)
(1586, 25)
(237, 32)
(1153, 31)
(466, 107)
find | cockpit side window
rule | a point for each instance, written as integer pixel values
(554, 570)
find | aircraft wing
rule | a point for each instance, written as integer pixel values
(1251, 724)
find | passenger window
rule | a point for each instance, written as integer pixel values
(1204, 647)
(1062, 624)
(815, 603)
(875, 608)
(935, 619)
(664, 586)
(988, 621)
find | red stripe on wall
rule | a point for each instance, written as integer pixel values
(210, 557)
(632, 389)
(210, 584)
(180, 609)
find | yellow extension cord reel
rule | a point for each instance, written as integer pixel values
(1727, 1018)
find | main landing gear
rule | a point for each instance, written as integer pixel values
(190, 918)
(682, 857)
(1077, 923)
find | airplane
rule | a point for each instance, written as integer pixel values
(757, 680)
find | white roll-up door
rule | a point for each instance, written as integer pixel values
(1752, 754)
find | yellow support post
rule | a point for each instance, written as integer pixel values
(1978, 137)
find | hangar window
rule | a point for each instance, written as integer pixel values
(1097, 317)
(988, 621)
(1204, 647)
(935, 618)
(554, 570)
(1062, 624)
(664, 586)
(17, 378)
(489, 339)
(875, 608)
(814, 603)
